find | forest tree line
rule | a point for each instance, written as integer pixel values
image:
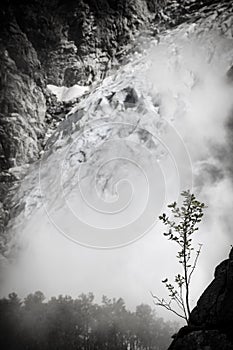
(64, 323)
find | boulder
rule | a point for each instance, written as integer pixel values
(211, 321)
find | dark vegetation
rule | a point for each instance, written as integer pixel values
(80, 324)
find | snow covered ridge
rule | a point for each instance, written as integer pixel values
(65, 94)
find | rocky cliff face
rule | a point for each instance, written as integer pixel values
(211, 321)
(80, 42)
(67, 43)
(53, 42)
(60, 43)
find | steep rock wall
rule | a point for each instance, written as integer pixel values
(52, 42)
(66, 43)
(211, 321)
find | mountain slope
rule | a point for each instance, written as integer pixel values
(83, 82)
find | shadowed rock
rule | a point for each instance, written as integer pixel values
(211, 321)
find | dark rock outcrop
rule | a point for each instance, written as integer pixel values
(61, 43)
(211, 321)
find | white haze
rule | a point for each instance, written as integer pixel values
(54, 264)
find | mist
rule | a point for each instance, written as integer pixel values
(183, 80)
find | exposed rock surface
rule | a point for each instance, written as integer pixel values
(78, 42)
(211, 321)
(67, 43)
(52, 42)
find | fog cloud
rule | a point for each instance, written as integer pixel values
(186, 82)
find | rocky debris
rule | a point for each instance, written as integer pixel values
(101, 102)
(211, 321)
(56, 110)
